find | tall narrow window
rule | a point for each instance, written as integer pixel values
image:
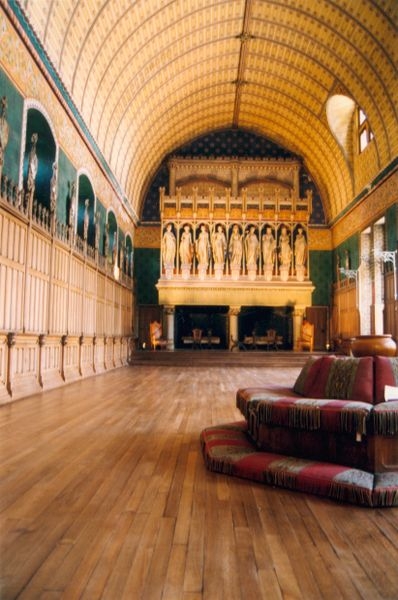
(364, 131)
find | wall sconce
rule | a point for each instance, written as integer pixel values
(349, 273)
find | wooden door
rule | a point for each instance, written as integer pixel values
(319, 316)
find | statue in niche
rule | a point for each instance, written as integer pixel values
(121, 258)
(251, 246)
(114, 249)
(347, 260)
(4, 131)
(203, 247)
(285, 251)
(106, 241)
(268, 246)
(72, 205)
(186, 246)
(32, 164)
(53, 189)
(300, 248)
(219, 245)
(235, 248)
(86, 219)
(169, 245)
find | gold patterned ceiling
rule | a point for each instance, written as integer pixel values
(150, 75)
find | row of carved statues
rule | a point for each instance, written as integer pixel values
(274, 247)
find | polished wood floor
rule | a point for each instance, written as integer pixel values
(104, 495)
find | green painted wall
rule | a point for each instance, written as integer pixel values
(14, 119)
(146, 274)
(392, 228)
(321, 270)
(66, 174)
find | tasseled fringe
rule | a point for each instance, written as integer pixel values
(264, 412)
(281, 478)
(385, 497)
(245, 406)
(353, 494)
(252, 428)
(218, 465)
(385, 422)
(305, 417)
(353, 421)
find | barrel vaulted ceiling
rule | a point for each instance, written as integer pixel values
(149, 75)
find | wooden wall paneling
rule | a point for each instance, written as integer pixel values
(23, 359)
(86, 357)
(36, 295)
(12, 255)
(100, 355)
(100, 321)
(90, 306)
(4, 395)
(109, 304)
(60, 279)
(56, 309)
(75, 320)
(51, 362)
(390, 306)
(71, 359)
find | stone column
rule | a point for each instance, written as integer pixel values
(233, 314)
(297, 322)
(169, 311)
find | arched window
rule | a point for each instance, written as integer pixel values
(339, 112)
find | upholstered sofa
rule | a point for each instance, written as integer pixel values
(334, 425)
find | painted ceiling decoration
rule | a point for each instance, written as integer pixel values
(149, 76)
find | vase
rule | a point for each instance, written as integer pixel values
(372, 345)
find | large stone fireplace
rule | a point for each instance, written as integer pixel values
(234, 234)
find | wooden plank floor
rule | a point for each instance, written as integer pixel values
(104, 495)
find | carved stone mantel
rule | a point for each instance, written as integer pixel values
(178, 292)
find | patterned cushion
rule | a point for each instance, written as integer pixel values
(309, 413)
(385, 373)
(227, 449)
(341, 378)
(248, 398)
(307, 376)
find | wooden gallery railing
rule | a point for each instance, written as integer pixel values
(65, 310)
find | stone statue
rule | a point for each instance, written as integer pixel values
(219, 245)
(32, 165)
(54, 189)
(285, 251)
(268, 246)
(300, 246)
(4, 131)
(186, 246)
(203, 247)
(72, 205)
(251, 247)
(86, 219)
(169, 245)
(235, 248)
(106, 241)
